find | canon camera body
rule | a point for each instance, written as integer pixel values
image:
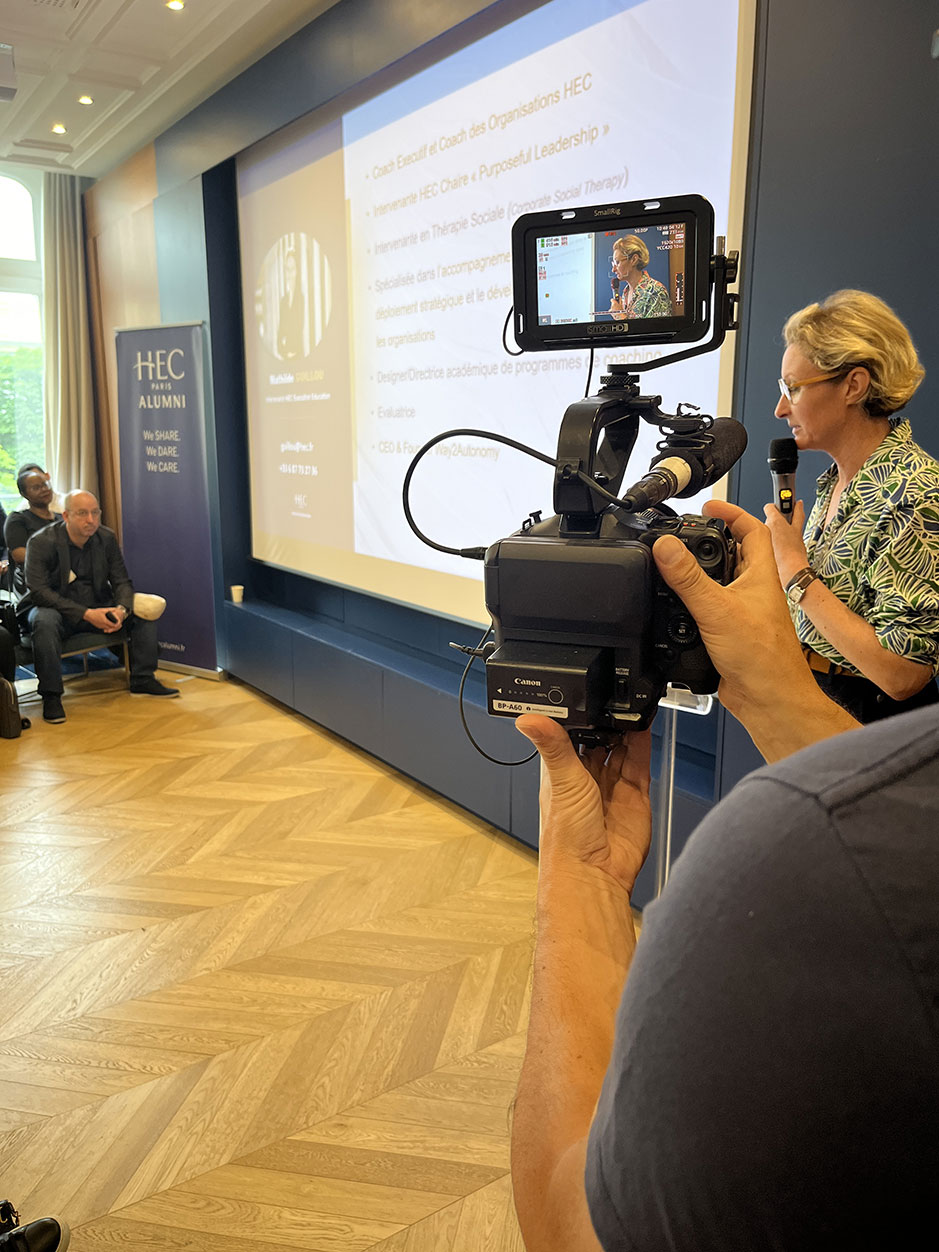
(586, 631)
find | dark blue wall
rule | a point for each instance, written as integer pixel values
(842, 165)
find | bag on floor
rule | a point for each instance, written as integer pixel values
(11, 724)
(8, 619)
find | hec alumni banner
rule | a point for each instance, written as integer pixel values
(164, 488)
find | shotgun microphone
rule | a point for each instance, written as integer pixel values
(783, 461)
(683, 472)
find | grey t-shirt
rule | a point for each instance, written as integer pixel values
(775, 1078)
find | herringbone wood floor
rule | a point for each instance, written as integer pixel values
(258, 990)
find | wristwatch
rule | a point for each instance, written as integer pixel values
(797, 586)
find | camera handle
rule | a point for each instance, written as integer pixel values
(614, 412)
(611, 412)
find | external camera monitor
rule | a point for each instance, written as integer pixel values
(605, 275)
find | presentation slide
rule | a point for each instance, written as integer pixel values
(376, 270)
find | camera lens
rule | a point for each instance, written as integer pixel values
(708, 552)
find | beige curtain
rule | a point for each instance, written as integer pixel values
(69, 393)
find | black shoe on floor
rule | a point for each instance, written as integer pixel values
(48, 1234)
(151, 687)
(52, 711)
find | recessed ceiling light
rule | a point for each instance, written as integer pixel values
(85, 100)
(59, 129)
(175, 5)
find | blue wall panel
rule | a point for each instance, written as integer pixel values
(259, 650)
(423, 737)
(524, 782)
(339, 690)
(229, 435)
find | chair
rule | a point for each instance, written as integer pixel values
(81, 644)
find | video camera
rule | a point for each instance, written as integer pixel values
(585, 630)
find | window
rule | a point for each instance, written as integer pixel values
(22, 435)
(18, 241)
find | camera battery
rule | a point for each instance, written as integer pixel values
(556, 680)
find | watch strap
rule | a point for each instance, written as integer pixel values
(799, 578)
(798, 583)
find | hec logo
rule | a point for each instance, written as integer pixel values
(159, 365)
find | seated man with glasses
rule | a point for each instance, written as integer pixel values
(77, 581)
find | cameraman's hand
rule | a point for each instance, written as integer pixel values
(746, 628)
(595, 807)
(788, 546)
(594, 838)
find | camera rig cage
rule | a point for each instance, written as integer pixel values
(585, 630)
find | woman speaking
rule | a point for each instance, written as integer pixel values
(863, 579)
(644, 295)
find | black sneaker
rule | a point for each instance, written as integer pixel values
(151, 687)
(48, 1234)
(52, 711)
(8, 1215)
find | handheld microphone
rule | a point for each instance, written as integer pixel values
(614, 284)
(783, 460)
(683, 472)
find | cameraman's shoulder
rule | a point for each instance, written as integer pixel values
(848, 766)
(844, 793)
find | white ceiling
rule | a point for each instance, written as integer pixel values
(144, 65)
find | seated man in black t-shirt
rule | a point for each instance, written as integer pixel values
(77, 581)
(34, 486)
(760, 1071)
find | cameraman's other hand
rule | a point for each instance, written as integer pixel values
(596, 818)
(788, 546)
(746, 628)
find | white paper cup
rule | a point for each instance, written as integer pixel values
(237, 593)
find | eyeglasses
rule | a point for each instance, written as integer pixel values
(791, 390)
(81, 514)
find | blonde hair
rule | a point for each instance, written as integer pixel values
(630, 244)
(855, 328)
